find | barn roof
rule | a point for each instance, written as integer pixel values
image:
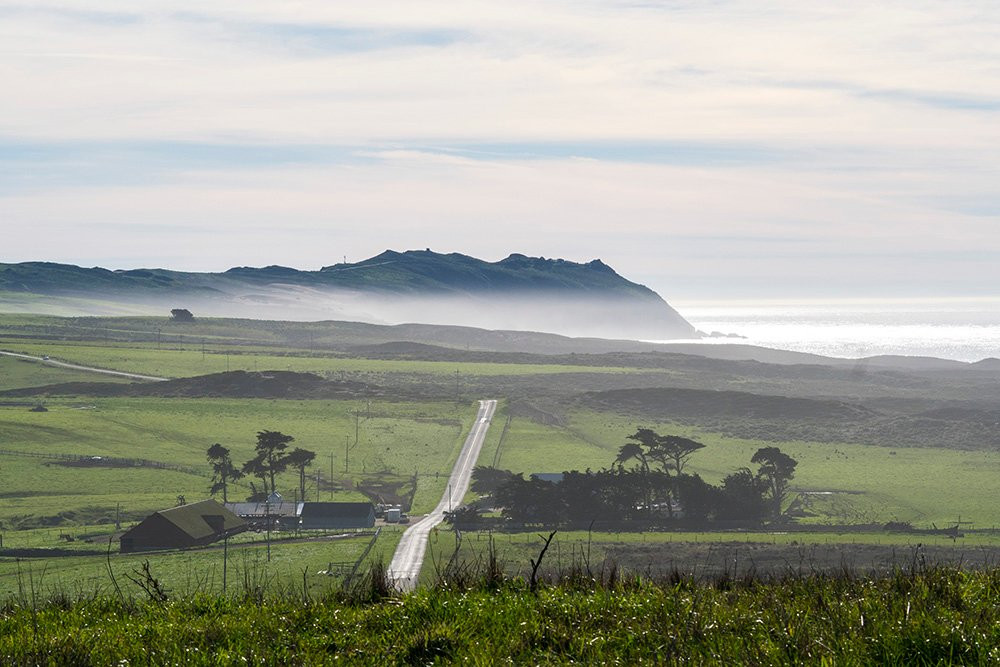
(281, 509)
(336, 510)
(194, 519)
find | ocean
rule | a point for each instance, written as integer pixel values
(964, 329)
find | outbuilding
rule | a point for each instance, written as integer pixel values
(182, 527)
(554, 477)
(337, 516)
(281, 514)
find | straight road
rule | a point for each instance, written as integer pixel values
(405, 566)
(90, 369)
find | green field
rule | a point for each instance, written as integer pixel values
(18, 373)
(654, 553)
(843, 483)
(848, 483)
(197, 570)
(396, 438)
(389, 440)
(145, 359)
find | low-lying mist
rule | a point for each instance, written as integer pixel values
(597, 316)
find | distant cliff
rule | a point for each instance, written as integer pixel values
(519, 292)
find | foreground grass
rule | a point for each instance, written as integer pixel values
(936, 616)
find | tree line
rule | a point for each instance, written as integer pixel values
(270, 459)
(647, 481)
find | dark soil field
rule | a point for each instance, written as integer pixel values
(711, 560)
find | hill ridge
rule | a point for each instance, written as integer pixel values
(516, 292)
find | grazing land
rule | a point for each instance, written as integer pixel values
(295, 560)
(872, 447)
(707, 555)
(397, 439)
(839, 483)
(186, 362)
(20, 373)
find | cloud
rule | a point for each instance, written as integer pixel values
(674, 139)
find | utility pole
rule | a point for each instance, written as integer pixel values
(331, 475)
(225, 561)
(267, 519)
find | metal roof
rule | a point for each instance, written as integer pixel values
(265, 509)
(338, 510)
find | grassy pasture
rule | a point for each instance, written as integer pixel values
(866, 483)
(401, 437)
(18, 373)
(146, 359)
(198, 570)
(657, 553)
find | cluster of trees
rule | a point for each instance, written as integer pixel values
(271, 458)
(647, 481)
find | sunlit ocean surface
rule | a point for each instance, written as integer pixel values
(961, 329)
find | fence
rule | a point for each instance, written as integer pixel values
(84, 460)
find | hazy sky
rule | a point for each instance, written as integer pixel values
(711, 149)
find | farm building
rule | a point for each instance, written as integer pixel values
(181, 527)
(554, 477)
(337, 515)
(282, 514)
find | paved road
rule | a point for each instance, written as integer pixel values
(405, 566)
(90, 369)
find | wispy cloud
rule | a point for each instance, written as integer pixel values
(689, 143)
(317, 39)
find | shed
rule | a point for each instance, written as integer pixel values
(182, 527)
(337, 515)
(284, 514)
(554, 477)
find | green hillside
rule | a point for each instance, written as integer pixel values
(519, 293)
(404, 272)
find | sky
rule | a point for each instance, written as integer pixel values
(711, 150)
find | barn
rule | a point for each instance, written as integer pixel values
(283, 515)
(337, 516)
(182, 527)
